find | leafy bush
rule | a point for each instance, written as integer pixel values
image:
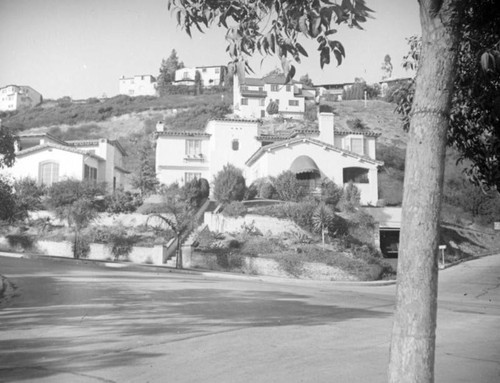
(80, 247)
(392, 156)
(66, 192)
(330, 192)
(350, 198)
(288, 187)
(28, 194)
(251, 192)
(311, 111)
(7, 201)
(267, 191)
(272, 108)
(122, 202)
(291, 263)
(229, 184)
(24, 241)
(194, 192)
(120, 243)
(234, 209)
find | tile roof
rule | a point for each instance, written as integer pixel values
(56, 146)
(254, 157)
(182, 133)
(362, 132)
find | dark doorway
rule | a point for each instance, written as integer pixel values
(389, 242)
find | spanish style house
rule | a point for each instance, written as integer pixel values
(47, 160)
(15, 97)
(252, 96)
(138, 85)
(210, 75)
(312, 154)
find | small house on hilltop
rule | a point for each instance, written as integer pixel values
(15, 97)
(311, 153)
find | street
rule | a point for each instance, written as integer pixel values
(79, 322)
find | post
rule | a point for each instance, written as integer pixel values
(442, 248)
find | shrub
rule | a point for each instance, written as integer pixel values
(301, 213)
(311, 111)
(251, 192)
(28, 194)
(122, 202)
(23, 241)
(350, 198)
(330, 192)
(234, 209)
(120, 243)
(7, 201)
(288, 187)
(291, 263)
(80, 247)
(267, 191)
(272, 108)
(194, 192)
(69, 191)
(229, 184)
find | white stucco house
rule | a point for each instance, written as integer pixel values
(251, 96)
(138, 85)
(341, 155)
(15, 97)
(212, 75)
(48, 160)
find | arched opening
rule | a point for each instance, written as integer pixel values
(306, 171)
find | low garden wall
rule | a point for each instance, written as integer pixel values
(146, 255)
(275, 226)
(269, 267)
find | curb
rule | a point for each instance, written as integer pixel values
(471, 258)
(204, 273)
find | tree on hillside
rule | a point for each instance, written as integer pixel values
(306, 80)
(413, 336)
(386, 67)
(167, 72)
(198, 83)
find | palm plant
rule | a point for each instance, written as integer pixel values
(322, 218)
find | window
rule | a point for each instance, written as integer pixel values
(89, 173)
(274, 87)
(288, 88)
(262, 102)
(356, 175)
(204, 70)
(48, 173)
(261, 89)
(188, 177)
(244, 101)
(293, 102)
(185, 75)
(217, 70)
(193, 147)
(235, 144)
(357, 145)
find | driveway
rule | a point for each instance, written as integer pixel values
(68, 322)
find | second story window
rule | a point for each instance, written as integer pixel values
(293, 102)
(288, 88)
(357, 145)
(274, 88)
(244, 101)
(185, 75)
(193, 147)
(262, 102)
(217, 70)
(235, 145)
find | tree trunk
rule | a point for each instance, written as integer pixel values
(413, 334)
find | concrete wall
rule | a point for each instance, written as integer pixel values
(150, 255)
(267, 266)
(275, 226)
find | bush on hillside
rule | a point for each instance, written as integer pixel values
(351, 197)
(122, 202)
(267, 191)
(234, 209)
(229, 185)
(288, 187)
(194, 192)
(331, 194)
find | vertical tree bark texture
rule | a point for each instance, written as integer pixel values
(413, 334)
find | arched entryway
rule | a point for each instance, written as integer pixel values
(306, 171)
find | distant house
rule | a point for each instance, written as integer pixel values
(48, 159)
(333, 91)
(210, 75)
(15, 97)
(252, 96)
(138, 85)
(312, 154)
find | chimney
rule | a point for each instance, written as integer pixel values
(326, 127)
(160, 126)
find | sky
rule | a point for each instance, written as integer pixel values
(80, 48)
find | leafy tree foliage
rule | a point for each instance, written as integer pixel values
(145, 178)
(198, 85)
(7, 149)
(330, 192)
(167, 72)
(350, 199)
(288, 187)
(63, 194)
(7, 203)
(272, 108)
(229, 184)
(195, 192)
(387, 67)
(306, 80)
(122, 202)
(273, 27)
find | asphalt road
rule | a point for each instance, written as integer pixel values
(68, 322)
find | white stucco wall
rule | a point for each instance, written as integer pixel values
(172, 162)
(329, 162)
(70, 164)
(141, 85)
